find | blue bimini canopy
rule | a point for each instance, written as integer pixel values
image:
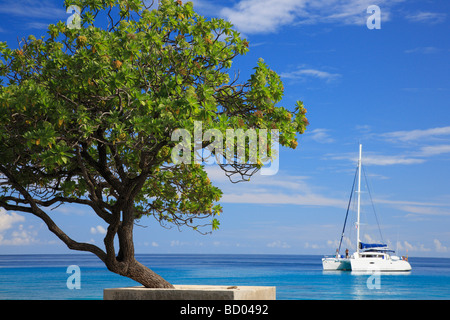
(371, 245)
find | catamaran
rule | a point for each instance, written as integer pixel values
(368, 256)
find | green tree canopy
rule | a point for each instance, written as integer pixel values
(87, 114)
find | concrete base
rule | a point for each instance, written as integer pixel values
(192, 292)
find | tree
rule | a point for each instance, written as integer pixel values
(86, 117)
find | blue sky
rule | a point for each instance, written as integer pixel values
(387, 88)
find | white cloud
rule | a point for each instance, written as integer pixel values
(411, 203)
(409, 158)
(423, 50)
(304, 73)
(320, 135)
(380, 160)
(312, 246)
(277, 197)
(266, 16)
(17, 236)
(37, 25)
(7, 220)
(262, 16)
(364, 128)
(429, 151)
(176, 243)
(386, 160)
(415, 135)
(278, 244)
(33, 9)
(418, 146)
(268, 190)
(98, 230)
(426, 210)
(427, 17)
(405, 245)
(439, 247)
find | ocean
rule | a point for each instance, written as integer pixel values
(296, 277)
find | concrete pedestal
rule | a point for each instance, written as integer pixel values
(192, 292)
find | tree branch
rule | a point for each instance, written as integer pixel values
(35, 210)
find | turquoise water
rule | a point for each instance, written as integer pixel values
(298, 277)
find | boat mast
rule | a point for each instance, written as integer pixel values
(359, 199)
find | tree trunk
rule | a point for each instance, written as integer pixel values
(147, 277)
(125, 263)
(140, 273)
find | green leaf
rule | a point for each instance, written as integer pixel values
(215, 224)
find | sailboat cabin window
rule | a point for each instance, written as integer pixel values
(372, 256)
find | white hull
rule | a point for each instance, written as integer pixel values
(377, 264)
(364, 264)
(334, 264)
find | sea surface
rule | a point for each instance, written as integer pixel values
(46, 277)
